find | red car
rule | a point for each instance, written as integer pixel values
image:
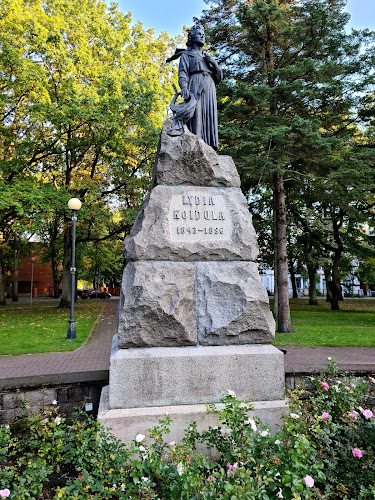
(95, 294)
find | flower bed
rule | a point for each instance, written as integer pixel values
(325, 449)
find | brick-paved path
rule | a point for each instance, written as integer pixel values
(300, 359)
(91, 361)
(88, 362)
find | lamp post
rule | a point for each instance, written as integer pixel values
(74, 204)
(32, 280)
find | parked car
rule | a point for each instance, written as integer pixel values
(95, 294)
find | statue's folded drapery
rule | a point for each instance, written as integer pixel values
(200, 77)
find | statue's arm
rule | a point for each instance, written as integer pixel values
(183, 76)
(217, 72)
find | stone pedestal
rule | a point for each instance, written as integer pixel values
(126, 423)
(194, 317)
(166, 376)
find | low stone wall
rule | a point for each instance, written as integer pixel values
(71, 395)
(68, 396)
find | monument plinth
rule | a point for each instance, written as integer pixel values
(194, 317)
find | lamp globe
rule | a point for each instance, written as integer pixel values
(74, 204)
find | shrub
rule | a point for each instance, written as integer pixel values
(323, 450)
(336, 418)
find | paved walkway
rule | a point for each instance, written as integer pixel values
(91, 361)
(302, 359)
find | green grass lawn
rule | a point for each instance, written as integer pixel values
(353, 325)
(42, 328)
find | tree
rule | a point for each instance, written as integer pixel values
(83, 96)
(293, 77)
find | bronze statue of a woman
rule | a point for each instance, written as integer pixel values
(198, 74)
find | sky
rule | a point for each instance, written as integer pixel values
(172, 15)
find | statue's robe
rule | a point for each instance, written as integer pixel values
(194, 74)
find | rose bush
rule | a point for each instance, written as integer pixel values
(323, 450)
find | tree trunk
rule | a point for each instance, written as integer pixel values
(336, 289)
(67, 262)
(54, 235)
(2, 284)
(15, 274)
(275, 307)
(293, 279)
(284, 324)
(55, 277)
(327, 277)
(311, 269)
(336, 292)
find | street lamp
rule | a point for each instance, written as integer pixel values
(32, 280)
(74, 204)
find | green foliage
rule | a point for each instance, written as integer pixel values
(324, 449)
(104, 257)
(297, 88)
(366, 271)
(83, 96)
(333, 419)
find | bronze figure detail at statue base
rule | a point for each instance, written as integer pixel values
(183, 112)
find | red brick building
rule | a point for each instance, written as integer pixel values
(42, 276)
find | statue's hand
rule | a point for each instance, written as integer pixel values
(210, 61)
(185, 94)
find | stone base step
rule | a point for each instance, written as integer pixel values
(170, 376)
(126, 423)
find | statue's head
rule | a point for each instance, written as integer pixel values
(196, 35)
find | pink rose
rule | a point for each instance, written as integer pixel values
(353, 416)
(4, 493)
(325, 386)
(357, 453)
(367, 414)
(294, 416)
(309, 481)
(325, 416)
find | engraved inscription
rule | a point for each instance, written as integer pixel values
(195, 217)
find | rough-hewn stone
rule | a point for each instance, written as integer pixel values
(158, 307)
(232, 305)
(193, 224)
(194, 318)
(188, 160)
